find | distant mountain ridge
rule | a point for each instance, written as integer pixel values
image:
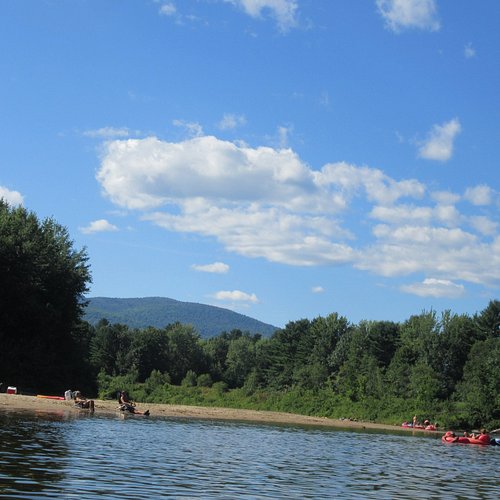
(159, 312)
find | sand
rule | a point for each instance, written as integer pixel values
(21, 402)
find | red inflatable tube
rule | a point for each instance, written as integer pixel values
(449, 437)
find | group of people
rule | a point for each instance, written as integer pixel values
(427, 425)
(417, 423)
(126, 404)
(482, 437)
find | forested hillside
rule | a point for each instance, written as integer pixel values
(443, 366)
(160, 312)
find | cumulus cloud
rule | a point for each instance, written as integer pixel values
(451, 253)
(236, 296)
(11, 197)
(216, 267)
(483, 225)
(431, 287)
(317, 289)
(379, 188)
(479, 195)
(445, 197)
(98, 226)
(263, 202)
(439, 144)
(283, 11)
(404, 14)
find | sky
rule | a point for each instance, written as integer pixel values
(285, 159)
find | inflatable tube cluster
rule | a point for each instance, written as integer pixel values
(483, 440)
(419, 427)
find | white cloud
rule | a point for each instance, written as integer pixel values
(380, 188)
(269, 233)
(439, 144)
(283, 11)
(435, 288)
(261, 202)
(168, 9)
(149, 173)
(446, 253)
(108, 132)
(231, 121)
(445, 197)
(479, 195)
(216, 267)
(11, 197)
(98, 226)
(483, 225)
(401, 214)
(469, 52)
(317, 289)
(194, 129)
(404, 14)
(283, 133)
(236, 296)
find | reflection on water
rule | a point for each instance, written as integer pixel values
(32, 451)
(71, 456)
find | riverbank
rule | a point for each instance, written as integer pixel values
(20, 402)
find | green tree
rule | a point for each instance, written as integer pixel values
(149, 350)
(359, 375)
(323, 336)
(109, 348)
(488, 322)
(382, 340)
(288, 352)
(240, 361)
(457, 335)
(185, 352)
(480, 388)
(215, 350)
(44, 280)
(426, 386)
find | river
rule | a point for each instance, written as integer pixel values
(73, 455)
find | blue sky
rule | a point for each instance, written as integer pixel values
(282, 158)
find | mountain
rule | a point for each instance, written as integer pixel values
(159, 312)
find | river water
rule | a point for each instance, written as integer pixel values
(74, 455)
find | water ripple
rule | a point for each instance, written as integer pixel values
(49, 457)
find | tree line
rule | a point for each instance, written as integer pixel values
(442, 364)
(431, 360)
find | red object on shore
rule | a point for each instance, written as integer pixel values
(429, 427)
(11, 390)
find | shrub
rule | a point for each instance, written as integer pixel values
(204, 380)
(190, 379)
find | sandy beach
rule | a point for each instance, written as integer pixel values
(20, 402)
